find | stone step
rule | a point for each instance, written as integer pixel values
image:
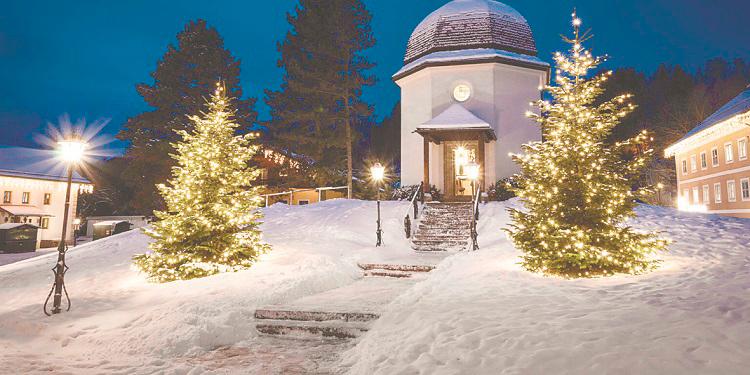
(313, 316)
(311, 330)
(396, 267)
(386, 273)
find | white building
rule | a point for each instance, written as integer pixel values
(470, 72)
(33, 184)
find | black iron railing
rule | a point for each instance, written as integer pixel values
(417, 196)
(475, 219)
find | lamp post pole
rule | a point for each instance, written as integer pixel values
(60, 267)
(380, 230)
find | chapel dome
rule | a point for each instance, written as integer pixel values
(471, 24)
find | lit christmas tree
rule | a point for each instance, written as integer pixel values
(577, 189)
(212, 218)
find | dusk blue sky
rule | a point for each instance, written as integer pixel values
(84, 58)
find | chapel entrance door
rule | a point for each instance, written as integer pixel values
(456, 156)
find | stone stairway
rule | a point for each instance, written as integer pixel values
(341, 313)
(443, 227)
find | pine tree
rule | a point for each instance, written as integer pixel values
(318, 110)
(184, 76)
(576, 188)
(211, 224)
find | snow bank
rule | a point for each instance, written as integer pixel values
(121, 323)
(481, 313)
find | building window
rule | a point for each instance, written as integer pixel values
(715, 157)
(693, 164)
(303, 202)
(706, 194)
(25, 197)
(684, 167)
(731, 192)
(742, 148)
(696, 196)
(686, 195)
(704, 161)
(728, 153)
(745, 188)
(47, 198)
(45, 222)
(7, 196)
(717, 193)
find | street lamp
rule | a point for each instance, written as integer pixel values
(71, 151)
(472, 172)
(76, 229)
(377, 172)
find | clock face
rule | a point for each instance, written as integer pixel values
(462, 93)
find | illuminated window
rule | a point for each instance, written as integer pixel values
(303, 202)
(47, 198)
(742, 148)
(715, 157)
(731, 192)
(706, 194)
(45, 222)
(704, 161)
(696, 196)
(7, 196)
(693, 163)
(684, 167)
(25, 197)
(745, 188)
(717, 193)
(728, 153)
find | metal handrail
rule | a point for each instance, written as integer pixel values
(475, 219)
(413, 202)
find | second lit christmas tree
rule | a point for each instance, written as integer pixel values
(576, 188)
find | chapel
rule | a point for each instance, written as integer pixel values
(469, 73)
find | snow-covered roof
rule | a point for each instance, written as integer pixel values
(472, 56)
(110, 222)
(468, 24)
(455, 117)
(34, 163)
(15, 225)
(738, 106)
(23, 210)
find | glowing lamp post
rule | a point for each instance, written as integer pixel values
(71, 151)
(377, 172)
(472, 172)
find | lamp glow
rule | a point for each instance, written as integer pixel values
(377, 172)
(472, 171)
(71, 151)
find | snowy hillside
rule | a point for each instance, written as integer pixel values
(121, 324)
(477, 313)
(480, 313)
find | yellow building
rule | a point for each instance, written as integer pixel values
(305, 196)
(712, 164)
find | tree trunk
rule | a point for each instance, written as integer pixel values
(349, 168)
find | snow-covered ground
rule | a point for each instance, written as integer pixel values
(477, 313)
(481, 313)
(119, 323)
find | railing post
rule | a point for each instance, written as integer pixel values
(407, 226)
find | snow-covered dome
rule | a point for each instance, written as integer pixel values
(471, 24)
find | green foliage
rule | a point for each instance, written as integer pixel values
(576, 188)
(318, 113)
(183, 78)
(211, 224)
(502, 190)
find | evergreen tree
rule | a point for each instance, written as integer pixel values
(385, 141)
(576, 188)
(211, 222)
(183, 78)
(318, 110)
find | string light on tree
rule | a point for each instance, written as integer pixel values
(576, 188)
(211, 224)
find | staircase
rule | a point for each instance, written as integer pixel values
(443, 227)
(341, 313)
